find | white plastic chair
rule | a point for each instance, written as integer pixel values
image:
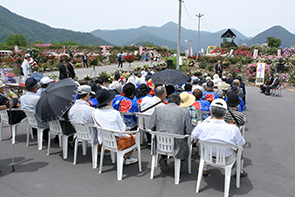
(219, 161)
(83, 134)
(202, 115)
(123, 114)
(32, 123)
(165, 146)
(5, 120)
(55, 129)
(109, 142)
(278, 91)
(142, 122)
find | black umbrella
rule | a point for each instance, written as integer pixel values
(56, 100)
(169, 77)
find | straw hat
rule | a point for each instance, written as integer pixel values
(186, 99)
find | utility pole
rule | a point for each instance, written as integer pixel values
(200, 15)
(178, 40)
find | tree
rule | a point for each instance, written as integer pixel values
(16, 39)
(273, 42)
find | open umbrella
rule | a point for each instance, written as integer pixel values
(169, 77)
(56, 100)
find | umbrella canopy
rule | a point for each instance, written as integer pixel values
(169, 77)
(56, 100)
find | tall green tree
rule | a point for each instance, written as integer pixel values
(273, 42)
(16, 39)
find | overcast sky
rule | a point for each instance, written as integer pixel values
(248, 17)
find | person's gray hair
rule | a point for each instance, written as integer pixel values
(217, 112)
(174, 98)
(160, 90)
(32, 88)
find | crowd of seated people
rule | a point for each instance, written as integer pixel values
(168, 105)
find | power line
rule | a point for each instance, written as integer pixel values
(205, 25)
(188, 13)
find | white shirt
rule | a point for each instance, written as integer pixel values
(197, 86)
(109, 118)
(39, 91)
(219, 131)
(149, 101)
(26, 68)
(81, 112)
(29, 101)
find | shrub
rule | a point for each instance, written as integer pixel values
(203, 64)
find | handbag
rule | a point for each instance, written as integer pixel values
(125, 142)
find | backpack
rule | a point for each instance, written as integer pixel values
(21, 72)
(119, 58)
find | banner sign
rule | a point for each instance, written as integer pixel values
(104, 50)
(191, 51)
(255, 53)
(231, 52)
(260, 70)
(16, 48)
(279, 53)
(140, 50)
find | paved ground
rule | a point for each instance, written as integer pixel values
(269, 162)
(109, 68)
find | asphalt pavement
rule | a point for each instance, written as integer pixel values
(269, 162)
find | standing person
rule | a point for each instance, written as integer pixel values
(120, 60)
(219, 68)
(63, 69)
(26, 68)
(84, 58)
(72, 73)
(70, 54)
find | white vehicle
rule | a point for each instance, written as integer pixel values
(5, 52)
(53, 53)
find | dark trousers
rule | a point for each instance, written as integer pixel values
(267, 90)
(262, 88)
(85, 63)
(120, 63)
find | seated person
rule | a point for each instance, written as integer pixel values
(200, 104)
(142, 91)
(81, 111)
(116, 84)
(172, 119)
(233, 116)
(186, 102)
(5, 103)
(188, 88)
(94, 88)
(267, 83)
(242, 86)
(196, 84)
(274, 84)
(229, 79)
(218, 131)
(108, 118)
(30, 100)
(44, 82)
(127, 104)
(209, 94)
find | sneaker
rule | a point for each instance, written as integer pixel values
(205, 173)
(163, 165)
(130, 160)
